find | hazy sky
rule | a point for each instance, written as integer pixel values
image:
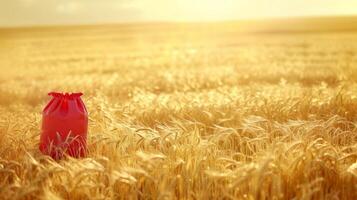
(39, 12)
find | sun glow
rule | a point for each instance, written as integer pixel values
(42, 12)
(206, 9)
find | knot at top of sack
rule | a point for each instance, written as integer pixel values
(65, 95)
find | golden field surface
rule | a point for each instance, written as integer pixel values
(183, 112)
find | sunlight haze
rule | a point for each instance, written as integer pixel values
(47, 12)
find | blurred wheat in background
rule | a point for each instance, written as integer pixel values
(183, 112)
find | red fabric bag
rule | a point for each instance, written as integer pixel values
(64, 126)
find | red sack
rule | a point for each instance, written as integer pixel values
(64, 126)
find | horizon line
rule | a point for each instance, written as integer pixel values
(147, 22)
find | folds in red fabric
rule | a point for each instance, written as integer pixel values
(64, 126)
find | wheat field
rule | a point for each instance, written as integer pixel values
(183, 112)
